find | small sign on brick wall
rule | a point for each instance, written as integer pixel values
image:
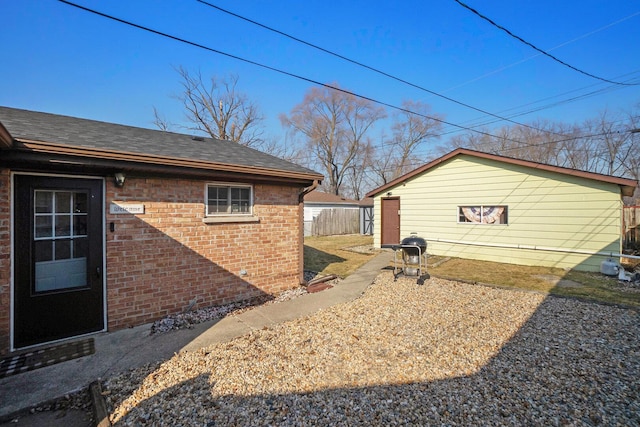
(126, 208)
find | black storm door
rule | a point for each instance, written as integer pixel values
(58, 258)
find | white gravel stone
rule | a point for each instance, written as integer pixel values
(193, 317)
(445, 353)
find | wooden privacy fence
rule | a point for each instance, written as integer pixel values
(630, 227)
(330, 222)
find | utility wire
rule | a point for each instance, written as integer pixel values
(562, 101)
(590, 33)
(332, 53)
(277, 70)
(574, 98)
(628, 76)
(360, 64)
(540, 144)
(316, 82)
(545, 132)
(475, 12)
(413, 165)
(542, 107)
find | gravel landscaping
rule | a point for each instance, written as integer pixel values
(446, 353)
(199, 315)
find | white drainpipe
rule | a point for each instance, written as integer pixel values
(533, 248)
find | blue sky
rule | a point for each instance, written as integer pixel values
(59, 59)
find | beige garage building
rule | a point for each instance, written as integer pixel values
(482, 206)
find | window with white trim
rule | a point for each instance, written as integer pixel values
(229, 199)
(483, 214)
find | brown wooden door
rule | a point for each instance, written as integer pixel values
(390, 221)
(58, 258)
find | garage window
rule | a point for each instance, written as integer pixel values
(229, 199)
(483, 214)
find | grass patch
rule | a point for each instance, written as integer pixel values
(332, 254)
(555, 281)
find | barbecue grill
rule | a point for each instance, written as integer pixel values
(412, 252)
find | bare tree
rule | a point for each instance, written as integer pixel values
(358, 173)
(284, 149)
(334, 125)
(632, 165)
(541, 141)
(606, 144)
(382, 166)
(411, 129)
(161, 121)
(217, 108)
(613, 141)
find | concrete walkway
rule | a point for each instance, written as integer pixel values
(131, 348)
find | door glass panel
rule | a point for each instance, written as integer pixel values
(63, 249)
(44, 250)
(44, 201)
(44, 226)
(61, 252)
(80, 202)
(79, 225)
(63, 274)
(80, 247)
(63, 201)
(63, 225)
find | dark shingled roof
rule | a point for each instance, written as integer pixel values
(76, 132)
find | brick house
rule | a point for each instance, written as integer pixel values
(104, 226)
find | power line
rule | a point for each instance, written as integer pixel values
(594, 92)
(277, 70)
(545, 106)
(327, 51)
(321, 84)
(590, 33)
(545, 132)
(475, 12)
(414, 165)
(360, 64)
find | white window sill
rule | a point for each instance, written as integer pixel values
(230, 218)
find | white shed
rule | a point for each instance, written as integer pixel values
(317, 202)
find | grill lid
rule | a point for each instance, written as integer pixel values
(414, 240)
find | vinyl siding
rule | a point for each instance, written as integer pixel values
(545, 209)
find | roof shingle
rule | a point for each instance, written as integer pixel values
(26, 125)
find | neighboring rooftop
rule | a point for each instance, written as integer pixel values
(367, 201)
(320, 197)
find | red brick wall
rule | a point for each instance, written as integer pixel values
(157, 262)
(5, 261)
(160, 260)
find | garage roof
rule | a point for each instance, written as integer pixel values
(626, 185)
